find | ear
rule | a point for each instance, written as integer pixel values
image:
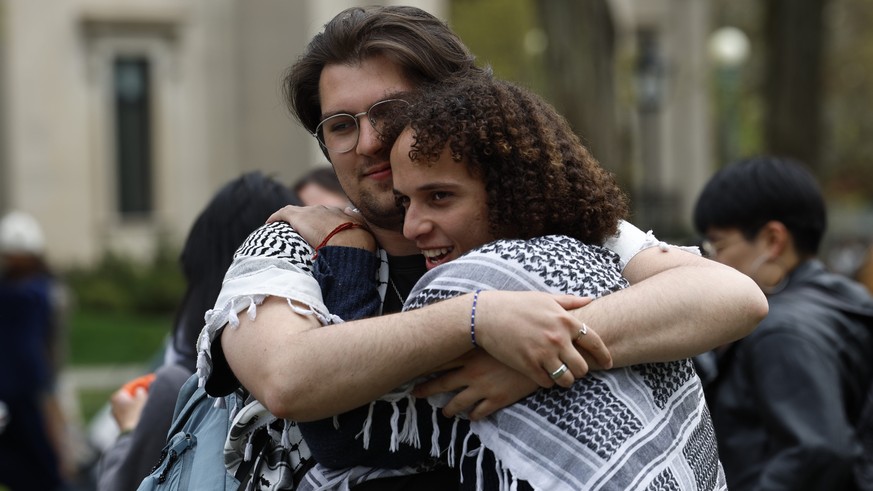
(776, 237)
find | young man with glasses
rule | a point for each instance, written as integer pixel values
(786, 400)
(363, 57)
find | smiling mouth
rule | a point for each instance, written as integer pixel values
(435, 257)
(378, 171)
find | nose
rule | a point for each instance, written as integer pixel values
(415, 223)
(369, 142)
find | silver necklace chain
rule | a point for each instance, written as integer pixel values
(399, 296)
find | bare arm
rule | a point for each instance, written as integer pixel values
(303, 372)
(679, 305)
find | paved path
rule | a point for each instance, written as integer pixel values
(88, 438)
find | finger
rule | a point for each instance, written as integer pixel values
(576, 364)
(570, 302)
(542, 377)
(120, 396)
(482, 410)
(282, 214)
(352, 212)
(444, 383)
(462, 401)
(561, 375)
(588, 339)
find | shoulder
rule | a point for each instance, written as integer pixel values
(550, 253)
(277, 239)
(555, 264)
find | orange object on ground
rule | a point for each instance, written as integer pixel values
(143, 381)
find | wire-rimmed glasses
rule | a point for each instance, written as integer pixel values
(339, 133)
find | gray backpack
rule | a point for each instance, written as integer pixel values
(194, 455)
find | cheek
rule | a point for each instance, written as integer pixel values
(737, 260)
(344, 167)
(477, 227)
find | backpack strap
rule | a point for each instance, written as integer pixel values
(189, 397)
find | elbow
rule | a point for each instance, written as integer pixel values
(753, 306)
(276, 402)
(281, 398)
(278, 397)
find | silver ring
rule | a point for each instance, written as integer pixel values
(560, 371)
(582, 331)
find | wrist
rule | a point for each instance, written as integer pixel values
(348, 234)
(473, 318)
(358, 238)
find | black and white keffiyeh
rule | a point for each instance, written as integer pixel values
(640, 427)
(644, 427)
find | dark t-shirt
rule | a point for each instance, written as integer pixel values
(338, 271)
(336, 267)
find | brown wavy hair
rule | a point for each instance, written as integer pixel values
(539, 177)
(422, 45)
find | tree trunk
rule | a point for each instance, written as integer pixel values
(794, 33)
(579, 60)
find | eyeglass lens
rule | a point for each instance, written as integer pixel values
(339, 133)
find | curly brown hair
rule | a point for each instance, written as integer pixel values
(539, 177)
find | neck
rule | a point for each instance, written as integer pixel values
(393, 241)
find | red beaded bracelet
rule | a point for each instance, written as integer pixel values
(340, 228)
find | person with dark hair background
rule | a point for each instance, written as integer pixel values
(787, 399)
(320, 186)
(144, 416)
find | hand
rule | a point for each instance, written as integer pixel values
(314, 223)
(127, 407)
(533, 333)
(485, 385)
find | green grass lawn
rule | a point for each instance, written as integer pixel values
(98, 338)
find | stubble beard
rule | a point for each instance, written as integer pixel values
(383, 213)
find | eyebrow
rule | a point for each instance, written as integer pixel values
(430, 186)
(392, 95)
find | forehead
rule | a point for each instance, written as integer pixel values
(355, 87)
(408, 174)
(400, 162)
(721, 233)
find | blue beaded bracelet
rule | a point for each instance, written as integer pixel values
(473, 319)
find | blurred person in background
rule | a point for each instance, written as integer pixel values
(788, 399)
(144, 411)
(32, 440)
(321, 187)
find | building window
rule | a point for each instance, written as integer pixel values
(133, 135)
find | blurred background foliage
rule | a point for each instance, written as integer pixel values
(118, 284)
(123, 309)
(831, 113)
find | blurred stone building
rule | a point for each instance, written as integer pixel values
(120, 118)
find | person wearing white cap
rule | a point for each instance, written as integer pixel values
(20, 233)
(29, 442)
